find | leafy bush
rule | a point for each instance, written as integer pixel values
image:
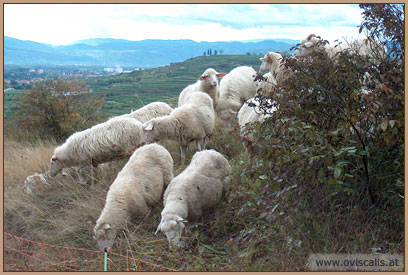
(56, 109)
(338, 135)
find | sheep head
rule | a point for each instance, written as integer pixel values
(147, 127)
(55, 166)
(270, 60)
(210, 78)
(172, 226)
(104, 235)
(309, 45)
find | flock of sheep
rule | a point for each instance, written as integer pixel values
(149, 171)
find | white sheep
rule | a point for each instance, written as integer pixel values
(193, 121)
(273, 62)
(207, 83)
(362, 46)
(313, 44)
(198, 188)
(267, 86)
(137, 187)
(114, 139)
(235, 87)
(149, 111)
(248, 115)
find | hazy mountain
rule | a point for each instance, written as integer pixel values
(111, 52)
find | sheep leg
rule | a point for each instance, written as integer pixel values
(93, 174)
(81, 178)
(183, 150)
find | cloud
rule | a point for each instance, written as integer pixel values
(66, 23)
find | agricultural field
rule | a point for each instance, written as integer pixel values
(129, 91)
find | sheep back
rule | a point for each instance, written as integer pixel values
(238, 84)
(114, 139)
(202, 184)
(140, 183)
(137, 187)
(149, 111)
(192, 121)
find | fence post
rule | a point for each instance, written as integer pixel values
(105, 260)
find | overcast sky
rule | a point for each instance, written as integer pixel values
(65, 23)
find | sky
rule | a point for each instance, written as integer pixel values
(61, 24)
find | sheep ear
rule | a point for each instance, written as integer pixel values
(148, 126)
(202, 77)
(179, 219)
(308, 44)
(54, 158)
(106, 226)
(221, 74)
(310, 36)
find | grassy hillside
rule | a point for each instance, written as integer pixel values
(131, 90)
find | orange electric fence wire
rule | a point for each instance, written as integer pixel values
(24, 255)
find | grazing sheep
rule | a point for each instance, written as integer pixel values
(272, 62)
(149, 111)
(137, 187)
(249, 115)
(198, 188)
(193, 121)
(236, 87)
(114, 139)
(207, 83)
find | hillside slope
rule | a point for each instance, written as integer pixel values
(128, 91)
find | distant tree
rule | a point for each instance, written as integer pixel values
(248, 53)
(215, 52)
(221, 51)
(204, 53)
(210, 51)
(57, 109)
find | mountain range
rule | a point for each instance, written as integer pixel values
(120, 52)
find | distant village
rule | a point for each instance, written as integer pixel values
(16, 77)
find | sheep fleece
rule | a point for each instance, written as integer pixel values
(139, 185)
(114, 139)
(202, 184)
(151, 110)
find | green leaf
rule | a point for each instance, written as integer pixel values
(334, 133)
(384, 125)
(333, 181)
(337, 172)
(263, 177)
(392, 123)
